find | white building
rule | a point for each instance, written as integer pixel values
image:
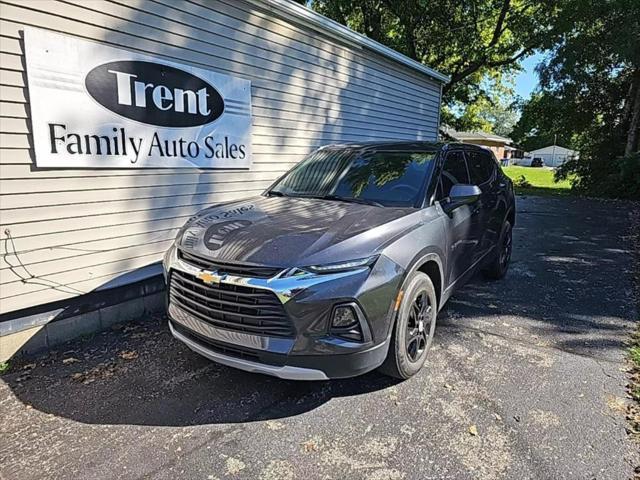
(501, 146)
(553, 155)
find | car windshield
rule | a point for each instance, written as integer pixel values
(384, 178)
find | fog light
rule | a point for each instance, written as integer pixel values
(343, 317)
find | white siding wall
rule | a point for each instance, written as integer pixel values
(551, 160)
(553, 157)
(78, 230)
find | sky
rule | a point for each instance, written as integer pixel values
(527, 80)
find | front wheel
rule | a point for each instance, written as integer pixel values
(500, 262)
(414, 328)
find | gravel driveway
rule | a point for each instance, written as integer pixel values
(526, 380)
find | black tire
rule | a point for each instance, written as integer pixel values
(499, 265)
(412, 337)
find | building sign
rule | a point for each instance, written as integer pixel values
(94, 106)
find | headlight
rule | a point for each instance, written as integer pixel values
(342, 266)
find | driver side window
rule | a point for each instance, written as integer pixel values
(454, 172)
(481, 167)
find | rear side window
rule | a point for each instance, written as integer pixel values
(481, 167)
(453, 172)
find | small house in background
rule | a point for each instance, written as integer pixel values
(553, 155)
(502, 147)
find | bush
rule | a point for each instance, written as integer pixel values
(629, 176)
(615, 178)
(522, 182)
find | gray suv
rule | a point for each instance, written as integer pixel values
(342, 265)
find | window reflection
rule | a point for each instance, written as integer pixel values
(390, 178)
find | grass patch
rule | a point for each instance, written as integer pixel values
(4, 367)
(536, 181)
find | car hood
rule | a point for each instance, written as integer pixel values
(285, 231)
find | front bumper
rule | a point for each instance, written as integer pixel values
(298, 367)
(312, 353)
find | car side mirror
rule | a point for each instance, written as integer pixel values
(461, 194)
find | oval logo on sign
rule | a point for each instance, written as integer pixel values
(154, 93)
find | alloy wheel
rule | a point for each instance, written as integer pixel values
(505, 252)
(418, 327)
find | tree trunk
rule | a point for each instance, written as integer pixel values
(633, 133)
(372, 20)
(411, 45)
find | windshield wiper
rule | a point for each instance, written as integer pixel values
(350, 200)
(276, 193)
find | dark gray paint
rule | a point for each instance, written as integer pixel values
(299, 232)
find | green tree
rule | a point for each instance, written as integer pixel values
(494, 110)
(542, 122)
(477, 42)
(590, 96)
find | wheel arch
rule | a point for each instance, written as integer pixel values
(432, 270)
(430, 264)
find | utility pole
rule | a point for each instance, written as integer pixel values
(553, 155)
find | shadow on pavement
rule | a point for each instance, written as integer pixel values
(565, 290)
(568, 285)
(139, 375)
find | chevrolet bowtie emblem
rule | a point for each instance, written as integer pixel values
(209, 278)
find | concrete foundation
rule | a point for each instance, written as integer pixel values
(32, 332)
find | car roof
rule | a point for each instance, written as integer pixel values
(399, 145)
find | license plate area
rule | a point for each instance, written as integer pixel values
(201, 327)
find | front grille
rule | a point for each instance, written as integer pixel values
(242, 270)
(233, 307)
